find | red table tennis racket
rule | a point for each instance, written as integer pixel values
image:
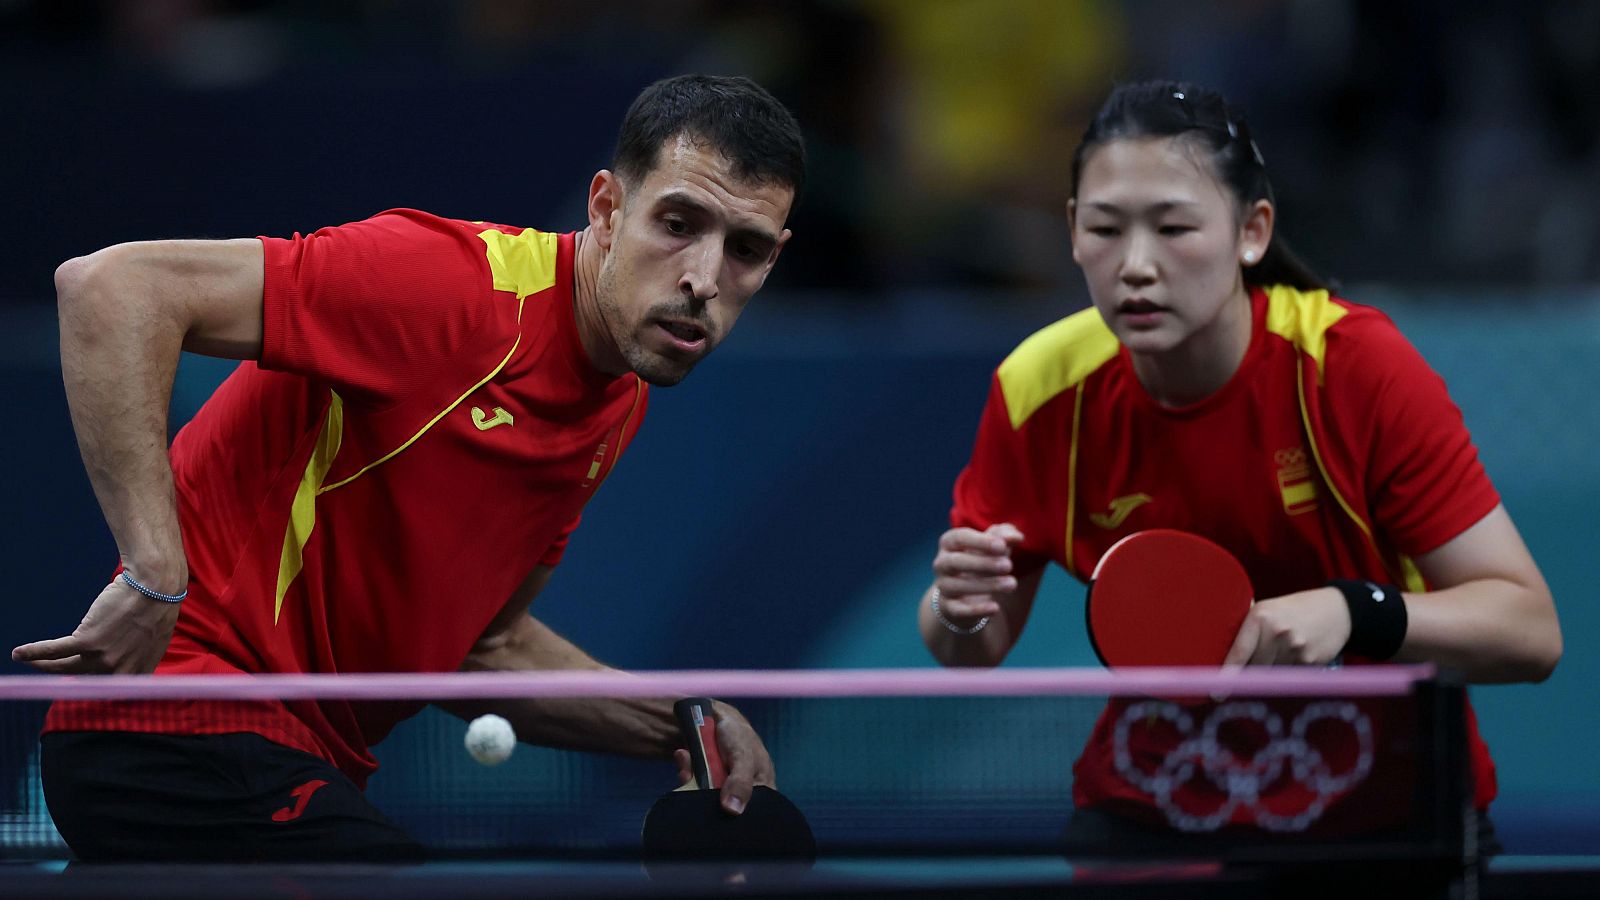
(689, 824)
(1166, 598)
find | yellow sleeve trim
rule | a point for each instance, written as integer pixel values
(1052, 360)
(1303, 318)
(523, 263)
(1411, 577)
(303, 513)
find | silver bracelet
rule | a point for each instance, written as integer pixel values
(933, 599)
(153, 595)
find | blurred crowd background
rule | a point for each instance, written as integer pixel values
(780, 509)
(1426, 141)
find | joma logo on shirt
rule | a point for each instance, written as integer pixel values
(486, 422)
(1119, 511)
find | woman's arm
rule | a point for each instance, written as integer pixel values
(1489, 617)
(976, 582)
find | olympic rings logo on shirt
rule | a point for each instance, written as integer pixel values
(1244, 778)
(1293, 456)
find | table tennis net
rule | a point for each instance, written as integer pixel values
(895, 761)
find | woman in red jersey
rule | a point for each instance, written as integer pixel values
(1218, 388)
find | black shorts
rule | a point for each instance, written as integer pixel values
(124, 796)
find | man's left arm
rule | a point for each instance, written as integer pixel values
(634, 726)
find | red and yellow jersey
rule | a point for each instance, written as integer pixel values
(1333, 452)
(422, 430)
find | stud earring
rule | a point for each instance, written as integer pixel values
(1249, 257)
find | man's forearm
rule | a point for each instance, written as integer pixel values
(119, 355)
(634, 726)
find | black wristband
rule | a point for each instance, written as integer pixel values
(1377, 618)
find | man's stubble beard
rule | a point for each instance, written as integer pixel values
(651, 369)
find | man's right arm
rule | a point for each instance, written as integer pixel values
(126, 312)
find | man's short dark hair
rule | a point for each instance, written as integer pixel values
(734, 115)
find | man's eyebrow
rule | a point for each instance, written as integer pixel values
(755, 235)
(684, 199)
(689, 202)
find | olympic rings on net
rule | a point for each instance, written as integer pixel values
(1244, 779)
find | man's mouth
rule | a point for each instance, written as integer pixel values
(683, 334)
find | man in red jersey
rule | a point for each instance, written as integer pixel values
(387, 480)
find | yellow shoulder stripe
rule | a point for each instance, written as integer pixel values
(1052, 360)
(1303, 318)
(522, 263)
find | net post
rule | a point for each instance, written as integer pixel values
(1445, 801)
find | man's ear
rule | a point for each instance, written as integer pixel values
(783, 239)
(605, 206)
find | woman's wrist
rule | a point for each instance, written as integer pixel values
(934, 598)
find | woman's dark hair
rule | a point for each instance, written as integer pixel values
(1152, 109)
(734, 115)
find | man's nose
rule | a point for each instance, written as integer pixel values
(701, 268)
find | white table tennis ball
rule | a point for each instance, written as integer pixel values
(490, 739)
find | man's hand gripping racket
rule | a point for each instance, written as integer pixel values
(693, 823)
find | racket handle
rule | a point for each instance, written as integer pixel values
(698, 729)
